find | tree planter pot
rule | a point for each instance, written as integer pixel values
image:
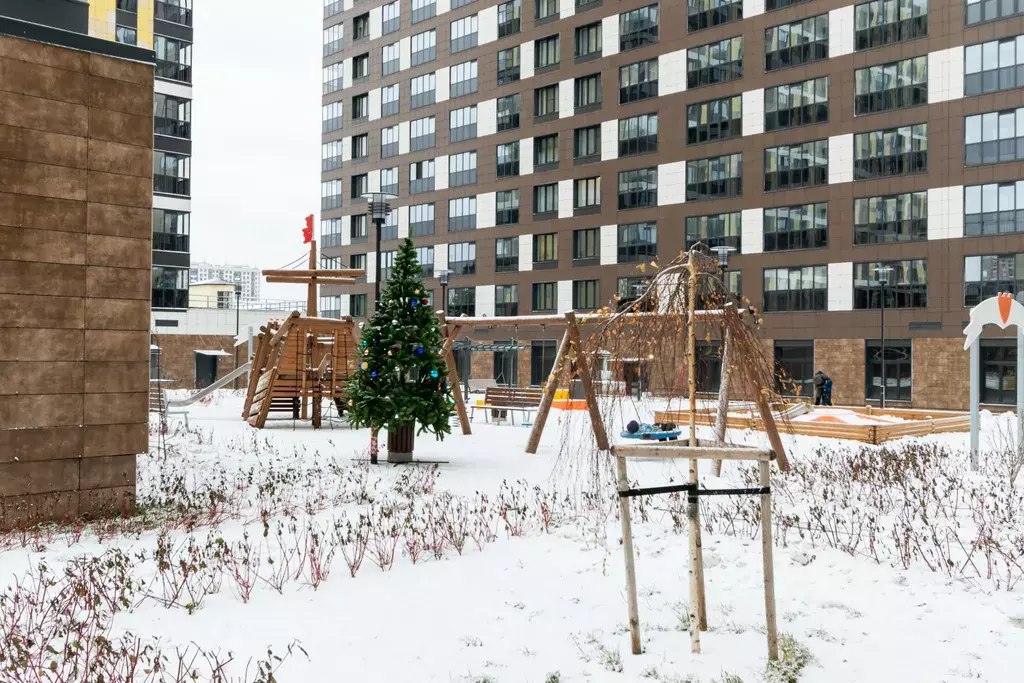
(400, 442)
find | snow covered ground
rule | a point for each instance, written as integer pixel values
(544, 599)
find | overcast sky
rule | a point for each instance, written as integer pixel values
(256, 132)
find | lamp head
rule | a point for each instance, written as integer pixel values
(378, 205)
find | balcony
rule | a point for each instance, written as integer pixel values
(172, 12)
(173, 71)
(165, 241)
(171, 184)
(172, 127)
(170, 298)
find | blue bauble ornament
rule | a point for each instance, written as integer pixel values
(414, 303)
(433, 373)
(373, 374)
(419, 350)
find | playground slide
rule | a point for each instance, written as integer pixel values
(222, 382)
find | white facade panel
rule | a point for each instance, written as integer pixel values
(751, 8)
(405, 53)
(346, 232)
(374, 102)
(672, 72)
(609, 140)
(564, 296)
(485, 300)
(565, 198)
(567, 8)
(171, 203)
(441, 172)
(346, 73)
(173, 89)
(946, 75)
(373, 181)
(403, 222)
(442, 84)
(344, 303)
(443, 6)
(487, 31)
(376, 20)
(752, 231)
(440, 257)
(486, 204)
(346, 149)
(753, 112)
(610, 36)
(525, 155)
(946, 212)
(371, 267)
(840, 286)
(840, 31)
(565, 99)
(671, 183)
(486, 117)
(403, 137)
(609, 244)
(526, 60)
(525, 252)
(840, 159)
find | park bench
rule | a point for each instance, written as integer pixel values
(500, 401)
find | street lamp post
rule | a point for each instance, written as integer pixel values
(442, 278)
(378, 207)
(238, 308)
(882, 275)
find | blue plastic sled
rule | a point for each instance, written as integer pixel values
(653, 436)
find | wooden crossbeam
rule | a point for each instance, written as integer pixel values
(317, 272)
(665, 450)
(320, 280)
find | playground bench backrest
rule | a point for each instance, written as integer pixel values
(514, 397)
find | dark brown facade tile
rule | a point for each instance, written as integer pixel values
(44, 81)
(41, 114)
(112, 188)
(130, 129)
(48, 443)
(121, 70)
(119, 252)
(44, 279)
(42, 180)
(119, 377)
(117, 345)
(29, 412)
(117, 439)
(42, 213)
(43, 55)
(27, 345)
(116, 314)
(52, 312)
(118, 283)
(112, 157)
(26, 379)
(57, 149)
(120, 221)
(42, 246)
(107, 408)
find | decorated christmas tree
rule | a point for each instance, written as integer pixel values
(400, 381)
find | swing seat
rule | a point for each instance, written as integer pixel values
(672, 435)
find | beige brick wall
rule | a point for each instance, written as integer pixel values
(941, 374)
(76, 159)
(178, 356)
(843, 361)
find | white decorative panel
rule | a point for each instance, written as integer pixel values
(946, 212)
(672, 72)
(564, 296)
(346, 73)
(946, 75)
(485, 300)
(525, 155)
(373, 181)
(840, 286)
(486, 204)
(752, 231)
(487, 30)
(486, 117)
(403, 222)
(565, 99)
(610, 36)
(526, 60)
(609, 140)
(840, 159)
(173, 89)
(441, 172)
(442, 84)
(376, 19)
(440, 257)
(609, 244)
(566, 9)
(753, 112)
(671, 183)
(344, 305)
(371, 267)
(346, 149)
(171, 203)
(347, 4)
(405, 53)
(346, 233)
(403, 137)
(751, 8)
(565, 198)
(840, 31)
(525, 252)
(374, 98)
(443, 6)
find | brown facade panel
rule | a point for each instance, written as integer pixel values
(21, 177)
(107, 472)
(20, 378)
(120, 252)
(106, 501)
(23, 509)
(44, 81)
(50, 115)
(46, 476)
(116, 283)
(42, 213)
(49, 410)
(123, 96)
(119, 221)
(116, 345)
(44, 246)
(941, 374)
(114, 126)
(42, 279)
(41, 345)
(44, 55)
(111, 157)
(117, 439)
(120, 70)
(108, 408)
(178, 356)
(844, 361)
(41, 147)
(114, 188)
(51, 312)
(48, 443)
(116, 314)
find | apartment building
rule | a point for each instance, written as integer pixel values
(248, 277)
(853, 154)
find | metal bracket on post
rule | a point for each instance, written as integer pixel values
(975, 399)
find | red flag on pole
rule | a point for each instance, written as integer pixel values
(307, 232)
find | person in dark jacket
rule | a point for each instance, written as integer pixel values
(820, 378)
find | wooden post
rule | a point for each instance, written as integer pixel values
(549, 396)
(304, 368)
(453, 379)
(769, 567)
(698, 606)
(627, 551)
(600, 434)
(311, 287)
(723, 399)
(765, 411)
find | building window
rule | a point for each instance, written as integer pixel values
(891, 152)
(170, 287)
(389, 100)
(357, 261)
(586, 193)
(792, 166)
(462, 214)
(332, 78)
(391, 18)
(360, 146)
(421, 220)
(357, 305)
(979, 11)
(796, 104)
(462, 258)
(637, 242)
(994, 137)
(546, 52)
(506, 207)
(421, 176)
(130, 5)
(629, 289)
(638, 27)
(796, 227)
(801, 42)
(510, 17)
(508, 159)
(423, 47)
(545, 249)
(172, 116)
(998, 371)
(389, 181)
(464, 80)
(423, 10)
(986, 276)
(586, 246)
(464, 34)
(714, 63)
(357, 227)
(462, 124)
(714, 178)
(508, 112)
(542, 360)
(896, 85)
(586, 142)
(994, 208)
(898, 366)
(545, 101)
(361, 107)
(795, 289)
(585, 295)
(460, 3)
(330, 156)
(361, 26)
(389, 59)
(545, 297)
(890, 218)
(171, 173)
(173, 59)
(702, 14)
(638, 81)
(331, 117)
(360, 185)
(638, 135)
(422, 91)
(126, 35)
(330, 306)
(171, 230)
(587, 91)
(794, 367)
(506, 300)
(462, 169)
(718, 230)
(638, 188)
(907, 285)
(993, 66)
(425, 257)
(333, 7)
(508, 65)
(506, 361)
(330, 195)
(708, 366)
(361, 66)
(588, 40)
(545, 150)
(545, 9)
(506, 254)
(714, 120)
(422, 133)
(461, 301)
(388, 142)
(387, 264)
(884, 22)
